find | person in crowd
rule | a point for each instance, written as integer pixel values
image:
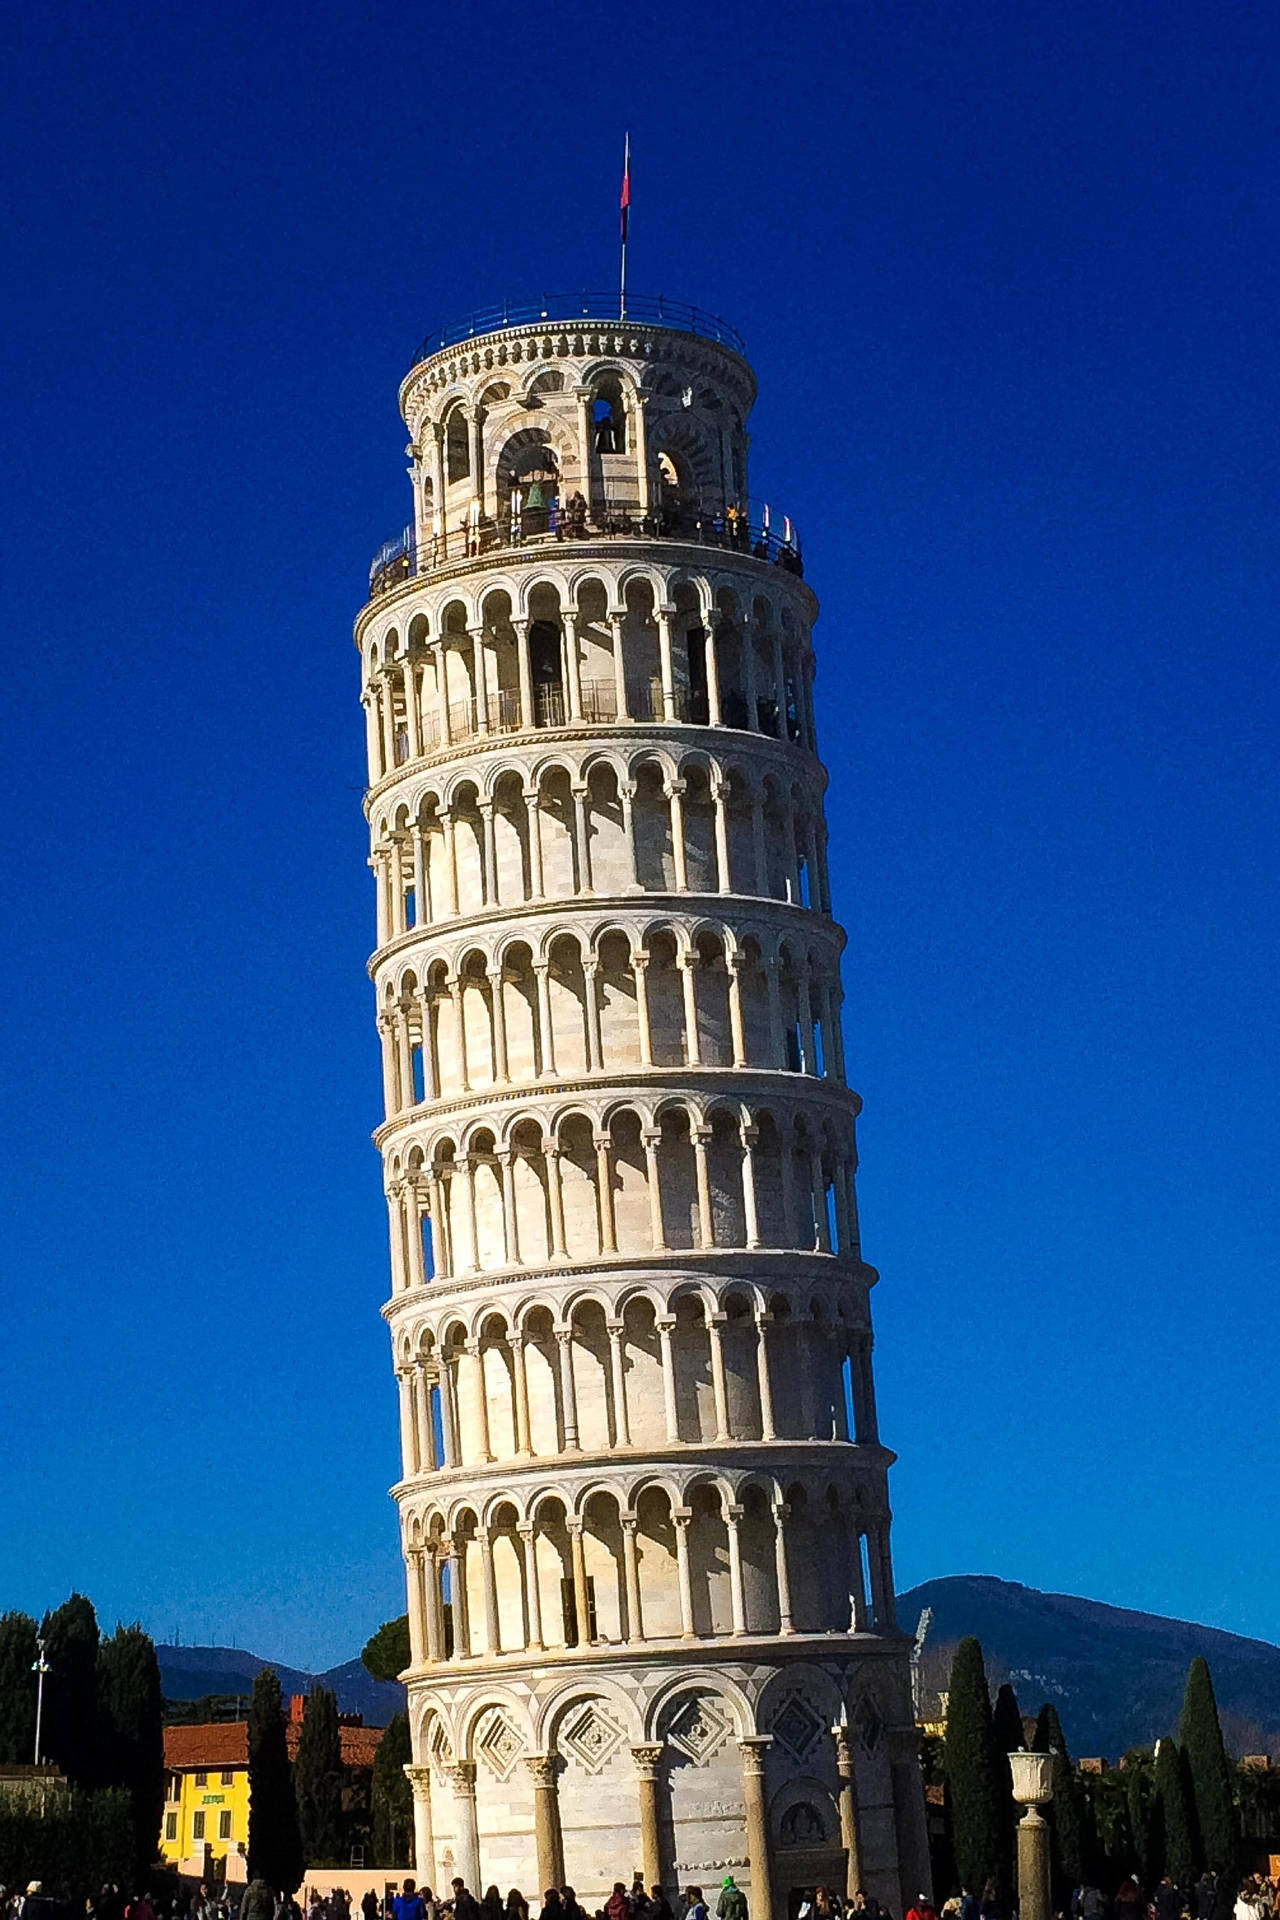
(1128, 1902)
(617, 1907)
(409, 1903)
(465, 1905)
(696, 1907)
(517, 1907)
(659, 1905)
(569, 1905)
(732, 1904)
(552, 1906)
(1167, 1902)
(491, 1906)
(923, 1909)
(867, 1907)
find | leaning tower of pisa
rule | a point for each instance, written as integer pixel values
(643, 1501)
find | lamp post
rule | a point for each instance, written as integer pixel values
(1032, 1788)
(39, 1668)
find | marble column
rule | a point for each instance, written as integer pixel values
(648, 1760)
(424, 1850)
(847, 1799)
(543, 1769)
(759, 1865)
(462, 1779)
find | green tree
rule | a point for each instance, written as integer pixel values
(1177, 1820)
(1007, 1736)
(392, 1797)
(1064, 1812)
(386, 1654)
(1200, 1738)
(132, 1713)
(974, 1776)
(17, 1689)
(275, 1846)
(70, 1732)
(1137, 1770)
(317, 1780)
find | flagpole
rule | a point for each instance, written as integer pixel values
(626, 221)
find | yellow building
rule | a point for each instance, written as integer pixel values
(206, 1812)
(206, 1808)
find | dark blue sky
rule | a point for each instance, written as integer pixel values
(1008, 275)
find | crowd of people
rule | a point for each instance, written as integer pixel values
(1258, 1898)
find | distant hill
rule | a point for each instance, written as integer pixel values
(188, 1673)
(1116, 1677)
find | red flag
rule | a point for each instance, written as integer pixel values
(625, 201)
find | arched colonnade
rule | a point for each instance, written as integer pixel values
(608, 826)
(635, 1179)
(558, 651)
(652, 1370)
(564, 1004)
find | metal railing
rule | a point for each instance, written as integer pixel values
(645, 309)
(753, 531)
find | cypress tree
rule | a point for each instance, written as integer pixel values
(392, 1797)
(17, 1689)
(132, 1712)
(70, 1730)
(1007, 1737)
(1200, 1737)
(1176, 1818)
(1137, 1793)
(1064, 1812)
(974, 1785)
(317, 1780)
(275, 1847)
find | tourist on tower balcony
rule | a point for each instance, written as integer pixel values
(517, 1907)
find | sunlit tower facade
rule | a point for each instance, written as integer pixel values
(643, 1499)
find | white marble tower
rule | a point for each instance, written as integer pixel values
(643, 1501)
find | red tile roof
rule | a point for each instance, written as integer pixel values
(226, 1744)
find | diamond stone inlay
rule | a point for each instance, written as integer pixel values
(699, 1730)
(591, 1737)
(797, 1725)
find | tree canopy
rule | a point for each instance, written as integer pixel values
(973, 1769)
(386, 1653)
(1200, 1737)
(275, 1844)
(317, 1780)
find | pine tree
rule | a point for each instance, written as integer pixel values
(132, 1716)
(974, 1787)
(1176, 1815)
(317, 1780)
(70, 1730)
(392, 1797)
(386, 1653)
(1200, 1738)
(275, 1847)
(17, 1689)
(1064, 1812)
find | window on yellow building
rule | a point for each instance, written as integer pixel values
(202, 1779)
(197, 1826)
(175, 1786)
(228, 1777)
(171, 1826)
(224, 1824)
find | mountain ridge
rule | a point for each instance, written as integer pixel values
(1115, 1674)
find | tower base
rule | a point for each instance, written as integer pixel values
(787, 1762)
